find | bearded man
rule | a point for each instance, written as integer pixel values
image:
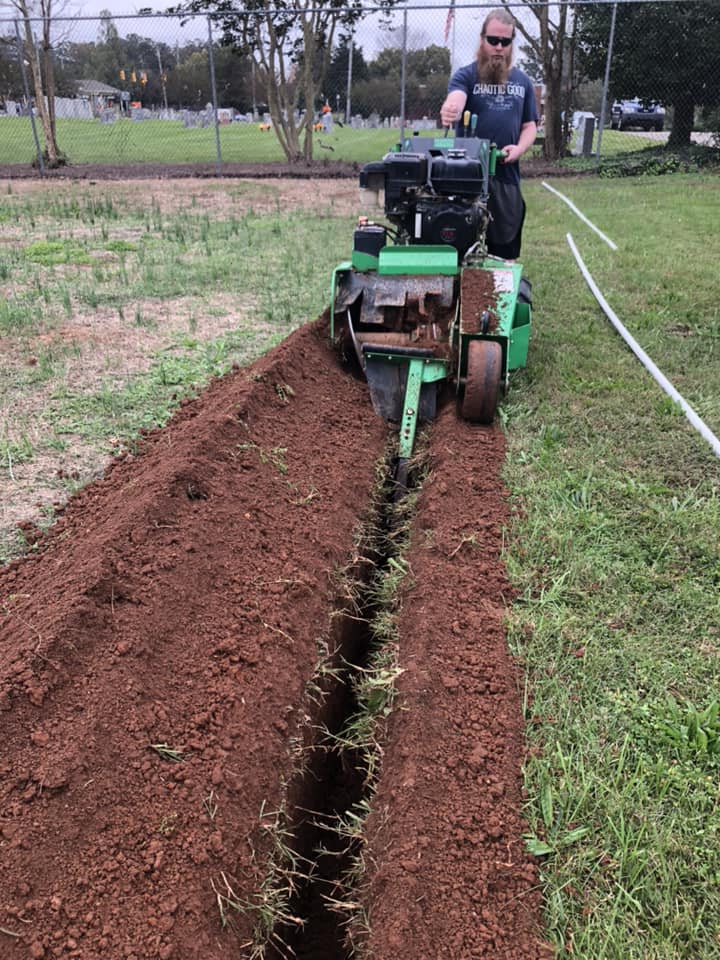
(503, 98)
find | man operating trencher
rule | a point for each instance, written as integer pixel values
(503, 99)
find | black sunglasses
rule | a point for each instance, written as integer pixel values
(498, 41)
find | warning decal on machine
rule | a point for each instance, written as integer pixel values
(503, 280)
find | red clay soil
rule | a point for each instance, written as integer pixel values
(452, 878)
(179, 601)
(478, 296)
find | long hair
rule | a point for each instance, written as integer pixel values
(502, 15)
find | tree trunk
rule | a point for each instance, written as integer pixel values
(281, 112)
(52, 153)
(308, 89)
(49, 66)
(285, 80)
(553, 148)
(683, 121)
(276, 87)
(553, 52)
(285, 130)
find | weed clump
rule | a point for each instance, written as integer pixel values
(656, 161)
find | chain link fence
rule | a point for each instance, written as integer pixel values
(166, 90)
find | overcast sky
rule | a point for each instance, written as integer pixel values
(425, 27)
(92, 8)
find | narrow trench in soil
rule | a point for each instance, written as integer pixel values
(333, 782)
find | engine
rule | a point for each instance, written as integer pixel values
(435, 190)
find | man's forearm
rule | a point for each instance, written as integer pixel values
(527, 136)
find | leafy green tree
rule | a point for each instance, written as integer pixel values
(427, 71)
(233, 76)
(109, 50)
(388, 63)
(337, 73)
(668, 52)
(429, 62)
(134, 63)
(10, 81)
(380, 95)
(291, 43)
(189, 82)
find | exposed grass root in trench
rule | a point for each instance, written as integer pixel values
(308, 904)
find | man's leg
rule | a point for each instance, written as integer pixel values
(507, 251)
(507, 209)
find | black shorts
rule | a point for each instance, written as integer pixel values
(507, 212)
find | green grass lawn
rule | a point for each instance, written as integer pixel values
(166, 141)
(615, 552)
(613, 547)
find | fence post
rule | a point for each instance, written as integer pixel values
(252, 85)
(606, 83)
(26, 88)
(349, 81)
(211, 58)
(403, 77)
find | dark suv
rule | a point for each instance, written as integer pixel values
(637, 113)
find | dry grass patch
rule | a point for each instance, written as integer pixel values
(222, 197)
(42, 460)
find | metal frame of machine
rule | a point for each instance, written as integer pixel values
(431, 305)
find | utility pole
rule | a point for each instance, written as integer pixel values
(348, 111)
(163, 78)
(252, 84)
(403, 75)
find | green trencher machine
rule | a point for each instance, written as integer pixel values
(421, 304)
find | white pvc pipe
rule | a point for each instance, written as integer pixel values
(582, 216)
(659, 377)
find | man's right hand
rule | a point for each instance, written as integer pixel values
(448, 115)
(452, 108)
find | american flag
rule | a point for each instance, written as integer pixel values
(449, 20)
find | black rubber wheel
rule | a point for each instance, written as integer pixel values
(482, 382)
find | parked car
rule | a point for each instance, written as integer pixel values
(643, 114)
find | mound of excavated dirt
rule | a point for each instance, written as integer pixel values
(153, 657)
(452, 877)
(317, 170)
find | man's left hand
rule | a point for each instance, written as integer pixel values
(512, 153)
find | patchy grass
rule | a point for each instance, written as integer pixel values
(118, 305)
(614, 550)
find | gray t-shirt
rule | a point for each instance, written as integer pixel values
(501, 110)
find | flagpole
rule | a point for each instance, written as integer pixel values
(452, 54)
(450, 22)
